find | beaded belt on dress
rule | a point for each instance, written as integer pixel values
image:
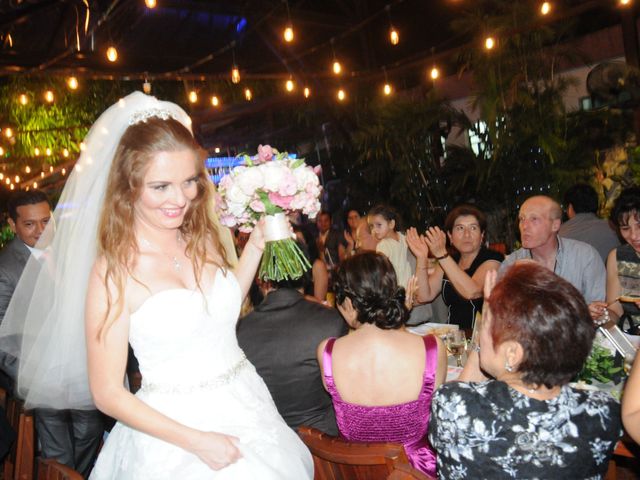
(215, 382)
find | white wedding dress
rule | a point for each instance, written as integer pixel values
(194, 372)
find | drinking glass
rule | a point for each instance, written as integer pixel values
(457, 344)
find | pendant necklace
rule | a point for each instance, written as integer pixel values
(177, 266)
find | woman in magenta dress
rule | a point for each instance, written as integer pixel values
(381, 377)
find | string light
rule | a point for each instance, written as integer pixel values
(289, 86)
(394, 37)
(27, 169)
(1, 176)
(215, 101)
(35, 184)
(489, 43)
(51, 169)
(112, 54)
(48, 152)
(65, 153)
(64, 171)
(341, 95)
(41, 174)
(17, 179)
(387, 89)
(337, 68)
(48, 96)
(235, 74)
(12, 186)
(150, 3)
(8, 132)
(624, 3)
(288, 34)
(23, 99)
(545, 8)
(72, 83)
(1, 153)
(306, 92)
(217, 150)
(434, 73)
(193, 96)
(7, 181)
(247, 94)
(36, 151)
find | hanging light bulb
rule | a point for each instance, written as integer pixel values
(8, 132)
(434, 73)
(215, 101)
(51, 169)
(150, 3)
(12, 186)
(41, 174)
(23, 99)
(341, 95)
(27, 169)
(48, 96)
(1, 153)
(72, 83)
(7, 181)
(193, 96)
(1, 176)
(624, 3)
(35, 184)
(217, 150)
(306, 92)
(387, 89)
(247, 94)
(288, 34)
(112, 54)
(489, 43)
(65, 153)
(289, 85)
(394, 37)
(545, 8)
(17, 178)
(337, 68)
(64, 171)
(36, 151)
(48, 152)
(235, 74)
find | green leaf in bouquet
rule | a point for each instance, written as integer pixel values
(297, 163)
(270, 208)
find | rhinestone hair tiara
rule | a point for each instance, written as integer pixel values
(143, 115)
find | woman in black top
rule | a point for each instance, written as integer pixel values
(459, 277)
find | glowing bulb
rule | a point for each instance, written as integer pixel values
(112, 54)
(64, 171)
(72, 82)
(150, 3)
(288, 34)
(1, 153)
(65, 153)
(1, 176)
(8, 132)
(35, 184)
(337, 68)
(51, 169)
(36, 151)
(387, 89)
(235, 75)
(17, 179)
(545, 8)
(489, 43)
(48, 96)
(625, 2)
(82, 147)
(217, 150)
(215, 101)
(289, 85)
(41, 174)
(23, 99)
(12, 187)
(7, 181)
(435, 73)
(306, 92)
(48, 152)
(193, 96)
(341, 95)
(393, 36)
(27, 169)
(247, 94)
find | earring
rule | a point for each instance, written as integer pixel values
(508, 367)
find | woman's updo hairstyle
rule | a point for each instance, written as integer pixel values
(369, 280)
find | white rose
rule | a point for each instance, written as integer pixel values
(236, 195)
(250, 180)
(273, 174)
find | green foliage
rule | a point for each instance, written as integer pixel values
(599, 366)
(6, 235)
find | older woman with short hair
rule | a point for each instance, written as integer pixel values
(526, 421)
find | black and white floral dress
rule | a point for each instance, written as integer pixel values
(489, 430)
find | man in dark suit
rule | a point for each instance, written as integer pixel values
(70, 436)
(280, 338)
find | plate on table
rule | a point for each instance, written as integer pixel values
(438, 329)
(629, 298)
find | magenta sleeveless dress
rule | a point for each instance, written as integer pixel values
(405, 423)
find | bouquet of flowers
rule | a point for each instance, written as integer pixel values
(271, 184)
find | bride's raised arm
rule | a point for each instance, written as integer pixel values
(107, 358)
(249, 261)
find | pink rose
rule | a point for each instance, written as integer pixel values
(317, 169)
(257, 205)
(228, 220)
(289, 186)
(265, 153)
(280, 200)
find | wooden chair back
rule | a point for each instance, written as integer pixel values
(19, 463)
(50, 469)
(337, 459)
(405, 471)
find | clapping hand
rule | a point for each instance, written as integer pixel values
(217, 450)
(349, 239)
(417, 243)
(410, 292)
(436, 240)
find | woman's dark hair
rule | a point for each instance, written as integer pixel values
(626, 205)
(547, 316)
(465, 209)
(369, 280)
(388, 213)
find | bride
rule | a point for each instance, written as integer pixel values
(163, 281)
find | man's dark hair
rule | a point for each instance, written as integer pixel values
(582, 197)
(25, 197)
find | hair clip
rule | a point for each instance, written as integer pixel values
(144, 115)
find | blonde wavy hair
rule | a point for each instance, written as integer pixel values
(116, 237)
